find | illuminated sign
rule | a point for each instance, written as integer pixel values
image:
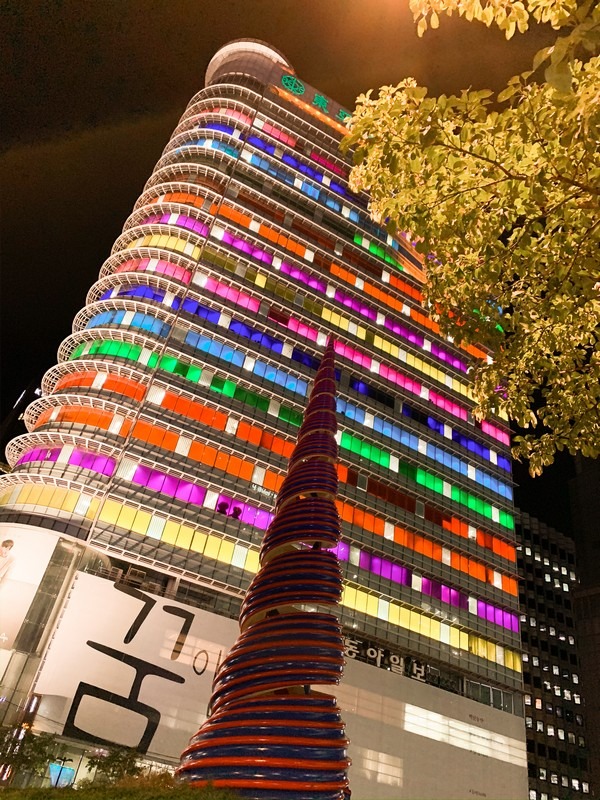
(61, 776)
(409, 667)
(310, 96)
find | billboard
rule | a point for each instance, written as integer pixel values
(61, 776)
(24, 555)
(130, 667)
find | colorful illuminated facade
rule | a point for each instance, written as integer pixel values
(164, 432)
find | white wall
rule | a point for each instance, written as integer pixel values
(412, 740)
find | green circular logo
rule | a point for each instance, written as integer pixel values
(292, 84)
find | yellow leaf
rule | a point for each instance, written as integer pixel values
(488, 15)
(421, 26)
(435, 20)
(507, 93)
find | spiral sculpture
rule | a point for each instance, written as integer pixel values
(269, 735)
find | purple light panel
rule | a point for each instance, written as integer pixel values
(103, 465)
(246, 513)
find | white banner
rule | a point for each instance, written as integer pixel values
(130, 667)
(24, 555)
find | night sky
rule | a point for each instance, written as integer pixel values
(93, 89)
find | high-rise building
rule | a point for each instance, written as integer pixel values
(141, 493)
(584, 491)
(555, 715)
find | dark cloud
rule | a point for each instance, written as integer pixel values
(80, 63)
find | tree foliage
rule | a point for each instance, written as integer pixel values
(115, 764)
(155, 787)
(508, 15)
(23, 751)
(502, 196)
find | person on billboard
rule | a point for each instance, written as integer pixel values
(6, 557)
